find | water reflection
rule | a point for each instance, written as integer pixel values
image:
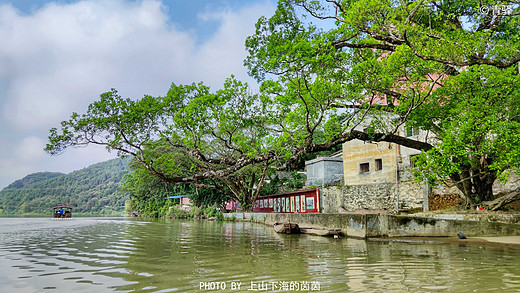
(126, 255)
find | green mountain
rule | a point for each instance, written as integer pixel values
(93, 190)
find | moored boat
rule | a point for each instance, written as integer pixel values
(321, 232)
(287, 228)
(62, 212)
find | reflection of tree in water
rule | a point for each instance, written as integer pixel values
(161, 255)
(180, 254)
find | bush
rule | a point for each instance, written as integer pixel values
(211, 212)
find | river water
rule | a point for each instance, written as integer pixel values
(128, 255)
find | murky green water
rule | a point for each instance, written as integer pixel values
(100, 255)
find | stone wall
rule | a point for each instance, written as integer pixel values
(369, 196)
(411, 195)
(381, 196)
(512, 183)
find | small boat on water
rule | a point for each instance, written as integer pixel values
(62, 212)
(322, 232)
(287, 228)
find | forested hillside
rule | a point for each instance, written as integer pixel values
(95, 190)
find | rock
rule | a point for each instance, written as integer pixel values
(342, 210)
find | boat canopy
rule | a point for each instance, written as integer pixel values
(177, 196)
(64, 207)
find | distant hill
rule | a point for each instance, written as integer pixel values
(33, 178)
(94, 190)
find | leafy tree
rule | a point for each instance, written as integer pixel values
(445, 66)
(398, 62)
(475, 117)
(191, 135)
(147, 193)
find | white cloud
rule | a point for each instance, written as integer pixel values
(58, 59)
(63, 56)
(29, 149)
(225, 51)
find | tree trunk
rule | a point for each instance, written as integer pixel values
(475, 184)
(503, 199)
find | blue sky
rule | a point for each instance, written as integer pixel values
(58, 56)
(184, 14)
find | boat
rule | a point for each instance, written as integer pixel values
(287, 228)
(322, 232)
(62, 212)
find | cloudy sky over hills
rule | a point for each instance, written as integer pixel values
(58, 56)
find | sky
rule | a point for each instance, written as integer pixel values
(58, 56)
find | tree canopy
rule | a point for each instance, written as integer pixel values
(191, 135)
(447, 67)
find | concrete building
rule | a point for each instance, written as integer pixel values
(324, 171)
(378, 175)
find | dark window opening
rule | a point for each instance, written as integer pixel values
(364, 167)
(379, 164)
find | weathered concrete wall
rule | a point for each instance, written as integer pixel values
(324, 170)
(406, 226)
(352, 225)
(331, 198)
(381, 225)
(255, 217)
(357, 152)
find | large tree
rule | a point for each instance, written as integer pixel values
(191, 135)
(404, 60)
(448, 67)
(148, 194)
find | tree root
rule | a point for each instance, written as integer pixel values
(502, 199)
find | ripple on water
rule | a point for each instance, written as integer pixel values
(167, 257)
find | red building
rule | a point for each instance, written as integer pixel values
(299, 201)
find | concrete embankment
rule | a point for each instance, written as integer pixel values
(384, 225)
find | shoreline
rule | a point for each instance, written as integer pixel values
(407, 227)
(513, 241)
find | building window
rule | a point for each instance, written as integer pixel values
(364, 167)
(379, 164)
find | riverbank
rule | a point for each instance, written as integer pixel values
(514, 240)
(365, 226)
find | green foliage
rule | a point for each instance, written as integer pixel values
(191, 135)
(92, 190)
(475, 118)
(380, 63)
(148, 193)
(33, 178)
(447, 67)
(283, 182)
